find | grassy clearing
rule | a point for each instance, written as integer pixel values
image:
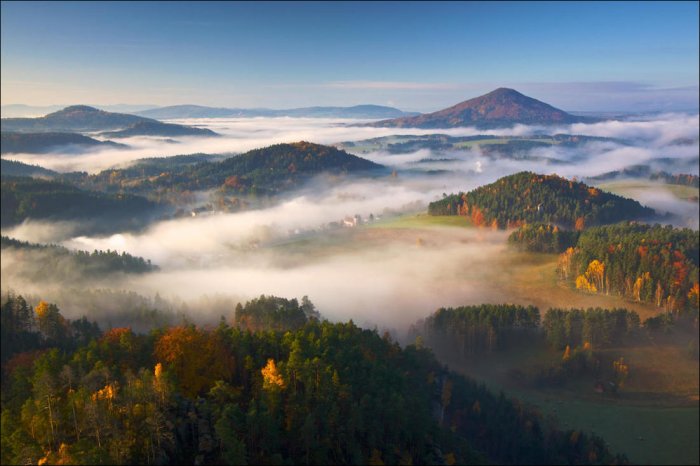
(645, 435)
(630, 188)
(421, 221)
(532, 278)
(642, 422)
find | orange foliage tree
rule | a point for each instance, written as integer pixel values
(198, 358)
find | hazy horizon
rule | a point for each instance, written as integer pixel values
(412, 56)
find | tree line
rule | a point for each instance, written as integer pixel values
(646, 263)
(57, 261)
(320, 393)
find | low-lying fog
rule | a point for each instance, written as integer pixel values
(374, 275)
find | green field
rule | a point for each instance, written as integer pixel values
(651, 421)
(421, 221)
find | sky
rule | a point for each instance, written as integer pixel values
(579, 56)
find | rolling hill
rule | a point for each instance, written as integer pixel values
(41, 143)
(198, 111)
(156, 128)
(527, 197)
(500, 108)
(16, 168)
(260, 172)
(28, 198)
(81, 119)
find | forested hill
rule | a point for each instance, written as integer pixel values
(262, 172)
(300, 156)
(156, 128)
(527, 197)
(42, 261)
(82, 118)
(317, 393)
(24, 198)
(39, 143)
(76, 118)
(16, 168)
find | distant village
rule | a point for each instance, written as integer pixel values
(347, 222)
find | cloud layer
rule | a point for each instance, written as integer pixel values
(384, 276)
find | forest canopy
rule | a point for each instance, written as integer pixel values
(527, 197)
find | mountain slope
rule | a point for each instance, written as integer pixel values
(79, 119)
(198, 111)
(156, 128)
(40, 143)
(16, 168)
(500, 108)
(28, 198)
(527, 197)
(262, 172)
(186, 111)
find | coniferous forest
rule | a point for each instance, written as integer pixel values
(309, 392)
(527, 197)
(385, 233)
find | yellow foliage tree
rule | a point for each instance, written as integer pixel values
(582, 283)
(694, 295)
(564, 264)
(567, 353)
(272, 379)
(593, 279)
(596, 273)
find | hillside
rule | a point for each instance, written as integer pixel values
(500, 108)
(57, 261)
(156, 128)
(15, 168)
(76, 119)
(317, 393)
(40, 143)
(267, 171)
(527, 197)
(29, 198)
(488, 145)
(653, 264)
(198, 111)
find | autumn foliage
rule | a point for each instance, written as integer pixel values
(531, 198)
(197, 358)
(653, 264)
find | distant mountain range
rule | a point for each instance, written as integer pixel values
(41, 143)
(198, 111)
(82, 119)
(500, 108)
(33, 111)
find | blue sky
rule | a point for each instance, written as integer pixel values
(413, 55)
